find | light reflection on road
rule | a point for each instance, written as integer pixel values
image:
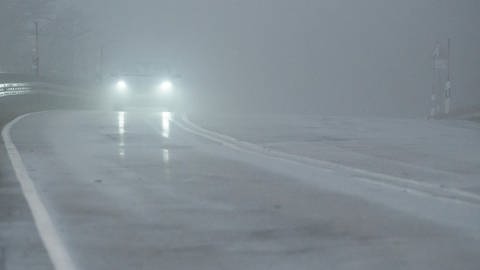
(165, 156)
(166, 118)
(121, 134)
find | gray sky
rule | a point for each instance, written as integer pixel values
(333, 57)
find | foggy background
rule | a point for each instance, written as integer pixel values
(348, 57)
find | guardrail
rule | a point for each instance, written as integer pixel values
(11, 89)
(22, 88)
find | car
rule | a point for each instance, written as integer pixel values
(140, 90)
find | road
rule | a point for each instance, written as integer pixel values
(135, 190)
(20, 246)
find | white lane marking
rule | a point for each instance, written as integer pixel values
(56, 250)
(388, 180)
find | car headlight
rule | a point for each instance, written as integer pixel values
(121, 86)
(166, 87)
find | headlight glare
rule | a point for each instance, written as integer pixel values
(166, 86)
(121, 86)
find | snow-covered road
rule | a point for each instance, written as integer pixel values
(139, 190)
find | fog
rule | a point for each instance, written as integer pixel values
(349, 57)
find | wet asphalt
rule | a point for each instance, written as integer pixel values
(134, 191)
(20, 244)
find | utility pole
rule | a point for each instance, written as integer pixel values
(102, 48)
(448, 84)
(435, 67)
(36, 55)
(442, 83)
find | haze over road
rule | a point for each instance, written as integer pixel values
(228, 134)
(133, 190)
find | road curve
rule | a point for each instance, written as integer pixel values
(134, 191)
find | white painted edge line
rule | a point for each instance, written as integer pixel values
(56, 250)
(389, 180)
